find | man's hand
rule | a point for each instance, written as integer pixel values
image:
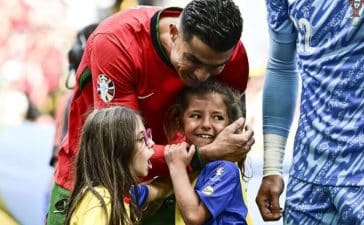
(232, 143)
(268, 197)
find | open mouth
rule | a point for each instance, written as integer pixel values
(149, 164)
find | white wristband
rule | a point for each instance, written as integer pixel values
(274, 146)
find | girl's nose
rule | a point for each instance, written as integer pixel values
(150, 143)
(206, 124)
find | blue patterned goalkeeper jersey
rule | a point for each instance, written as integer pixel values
(329, 142)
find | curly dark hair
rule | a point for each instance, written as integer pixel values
(218, 23)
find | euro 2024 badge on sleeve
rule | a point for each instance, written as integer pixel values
(105, 88)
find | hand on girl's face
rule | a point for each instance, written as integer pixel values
(232, 144)
(179, 155)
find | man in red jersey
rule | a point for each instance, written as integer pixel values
(142, 58)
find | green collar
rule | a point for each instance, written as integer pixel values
(154, 31)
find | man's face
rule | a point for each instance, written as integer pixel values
(195, 62)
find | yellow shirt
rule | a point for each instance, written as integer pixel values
(6, 219)
(90, 211)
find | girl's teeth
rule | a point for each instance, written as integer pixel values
(205, 136)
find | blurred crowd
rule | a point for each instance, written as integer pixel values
(35, 36)
(34, 39)
(32, 47)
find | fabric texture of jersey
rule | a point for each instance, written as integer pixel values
(90, 210)
(123, 51)
(329, 141)
(221, 189)
(312, 204)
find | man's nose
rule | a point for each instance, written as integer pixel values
(201, 74)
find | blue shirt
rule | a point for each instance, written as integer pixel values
(219, 188)
(141, 198)
(329, 39)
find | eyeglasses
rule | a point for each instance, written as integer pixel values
(147, 136)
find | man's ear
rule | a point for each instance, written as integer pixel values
(173, 32)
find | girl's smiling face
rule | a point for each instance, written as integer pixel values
(204, 118)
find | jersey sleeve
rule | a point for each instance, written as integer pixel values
(112, 64)
(117, 62)
(280, 86)
(281, 80)
(142, 194)
(280, 89)
(279, 21)
(219, 180)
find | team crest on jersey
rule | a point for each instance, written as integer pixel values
(356, 6)
(209, 190)
(219, 171)
(105, 88)
(218, 174)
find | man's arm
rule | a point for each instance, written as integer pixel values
(279, 100)
(116, 62)
(117, 65)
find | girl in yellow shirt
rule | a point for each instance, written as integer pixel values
(114, 150)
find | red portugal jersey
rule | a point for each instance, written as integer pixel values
(124, 64)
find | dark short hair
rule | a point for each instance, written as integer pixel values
(218, 23)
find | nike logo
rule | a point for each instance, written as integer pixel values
(145, 96)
